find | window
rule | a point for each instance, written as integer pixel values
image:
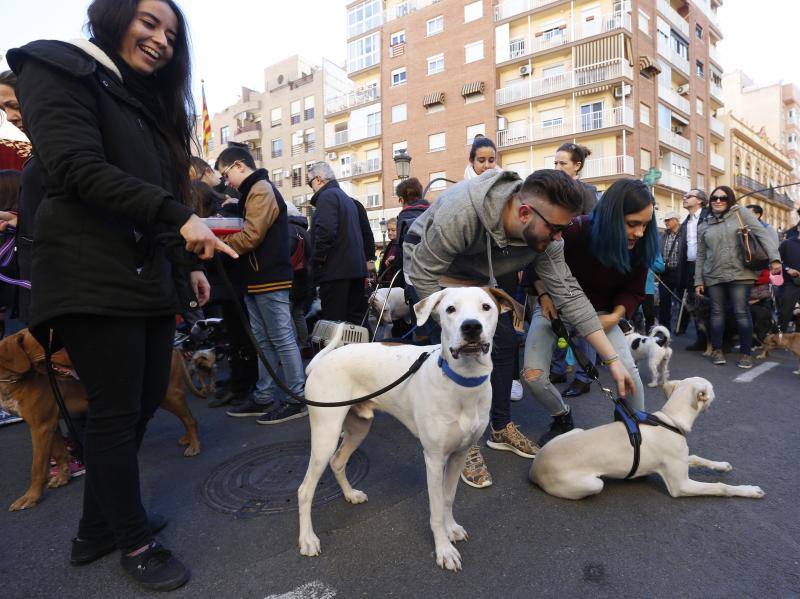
(664, 116)
(473, 11)
(435, 25)
(700, 70)
(550, 118)
(472, 98)
(644, 114)
(473, 130)
(373, 124)
(346, 163)
(646, 159)
(436, 142)
(224, 132)
(473, 52)
(592, 116)
(701, 144)
(308, 108)
(439, 184)
(277, 147)
(297, 142)
(373, 195)
(297, 175)
(701, 181)
(698, 31)
(363, 17)
(399, 146)
(399, 77)
(373, 160)
(364, 52)
(397, 38)
(435, 64)
(275, 117)
(399, 113)
(553, 71)
(311, 140)
(277, 177)
(644, 22)
(294, 112)
(699, 106)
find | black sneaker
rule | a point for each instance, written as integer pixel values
(284, 412)
(156, 569)
(85, 551)
(558, 378)
(561, 424)
(249, 408)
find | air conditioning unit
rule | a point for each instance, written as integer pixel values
(677, 129)
(622, 90)
(524, 70)
(683, 89)
(331, 156)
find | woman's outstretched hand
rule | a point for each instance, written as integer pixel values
(200, 240)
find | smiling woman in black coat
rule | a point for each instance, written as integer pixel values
(109, 119)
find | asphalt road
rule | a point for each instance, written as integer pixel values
(631, 540)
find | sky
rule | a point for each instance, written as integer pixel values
(233, 40)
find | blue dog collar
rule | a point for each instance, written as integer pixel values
(464, 381)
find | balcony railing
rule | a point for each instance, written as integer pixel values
(352, 135)
(751, 184)
(541, 86)
(715, 91)
(352, 99)
(579, 124)
(717, 161)
(674, 140)
(673, 17)
(607, 166)
(397, 50)
(674, 180)
(679, 102)
(669, 52)
(366, 167)
(713, 53)
(717, 126)
(526, 46)
(247, 131)
(514, 7)
(404, 8)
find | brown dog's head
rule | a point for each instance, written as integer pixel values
(204, 360)
(14, 353)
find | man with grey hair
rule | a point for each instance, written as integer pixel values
(339, 264)
(695, 201)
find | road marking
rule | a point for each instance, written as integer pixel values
(310, 590)
(755, 372)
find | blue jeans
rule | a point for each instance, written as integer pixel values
(558, 365)
(737, 294)
(271, 321)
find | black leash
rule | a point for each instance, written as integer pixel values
(62, 406)
(631, 418)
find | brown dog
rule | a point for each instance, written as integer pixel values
(787, 341)
(25, 390)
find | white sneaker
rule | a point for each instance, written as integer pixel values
(516, 390)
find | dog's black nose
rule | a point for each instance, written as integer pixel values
(471, 329)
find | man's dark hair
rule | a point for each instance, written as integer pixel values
(757, 209)
(409, 190)
(203, 199)
(554, 187)
(231, 155)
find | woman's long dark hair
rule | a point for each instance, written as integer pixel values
(728, 192)
(9, 189)
(609, 239)
(108, 22)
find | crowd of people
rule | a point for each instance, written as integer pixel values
(114, 185)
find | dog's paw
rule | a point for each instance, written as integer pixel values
(725, 467)
(355, 496)
(59, 480)
(309, 545)
(652, 384)
(448, 557)
(191, 451)
(456, 532)
(761, 356)
(184, 440)
(23, 503)
(751, 491)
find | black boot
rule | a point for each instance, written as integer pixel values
(561, 424)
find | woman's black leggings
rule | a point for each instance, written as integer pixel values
(124, 364)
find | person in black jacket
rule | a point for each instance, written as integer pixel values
(695, 201)
(113, 144)
(302, 293)
(338, 264)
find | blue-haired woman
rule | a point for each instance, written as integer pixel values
(609, 252)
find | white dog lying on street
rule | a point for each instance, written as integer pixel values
(445, 404)
(571, 465)
(394, 308)
(655, 350)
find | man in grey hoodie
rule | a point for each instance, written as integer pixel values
(492, 225)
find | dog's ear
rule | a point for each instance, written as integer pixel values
(669, 387)
(424, 308)
(12, 354)
(703, 392)
(505, 303)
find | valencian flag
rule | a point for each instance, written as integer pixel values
(206, 121)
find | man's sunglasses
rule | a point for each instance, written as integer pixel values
(554, 229)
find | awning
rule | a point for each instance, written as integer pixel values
(649, 65)
(433, 98)
(476, 87)
(600, 51)
(593, 90)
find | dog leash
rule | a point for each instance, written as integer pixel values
(631, 418)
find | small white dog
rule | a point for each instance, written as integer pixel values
(572, 465)
(655, 350)
(394, 308)
(445, 404)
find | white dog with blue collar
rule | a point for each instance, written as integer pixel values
(445, 404)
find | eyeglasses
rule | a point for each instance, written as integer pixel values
(224, 174)
(554, 229)
(719, 198)
(689, 197)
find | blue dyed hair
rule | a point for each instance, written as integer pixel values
(609, 239)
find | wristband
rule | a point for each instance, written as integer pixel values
(539, 298)
(610, 360)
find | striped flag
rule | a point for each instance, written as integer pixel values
(206, 122)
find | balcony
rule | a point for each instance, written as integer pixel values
(364, 25)
(404, 8)
(673, 17)
(247, 131)
(752, 185)
(352, 99)
(717, 127)
(580, 124)
(674, 140)
(515, 7)
(363, 62)
(717, 161)
(675, 181)
(249, 106)
(677, 60)
(669, 95)
(365, 167)
(542, 86)
(713, 54)
(715, 91)
(705, 7)
(608, 166)
(520, 48)
(349, 136)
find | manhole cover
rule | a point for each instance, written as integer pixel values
(265, 480)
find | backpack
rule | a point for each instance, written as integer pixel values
(298, 256)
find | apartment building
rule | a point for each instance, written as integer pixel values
(776, 109)
(638, 82)
(283, 124)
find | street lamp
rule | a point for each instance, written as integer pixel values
(402, 162)
(384, 228)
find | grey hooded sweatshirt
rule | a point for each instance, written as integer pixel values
(460, 240)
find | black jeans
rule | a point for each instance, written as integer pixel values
(124, 364)
(790, 295)
(243, 360)
(669, 282)
(343, 300)
(505, 346)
